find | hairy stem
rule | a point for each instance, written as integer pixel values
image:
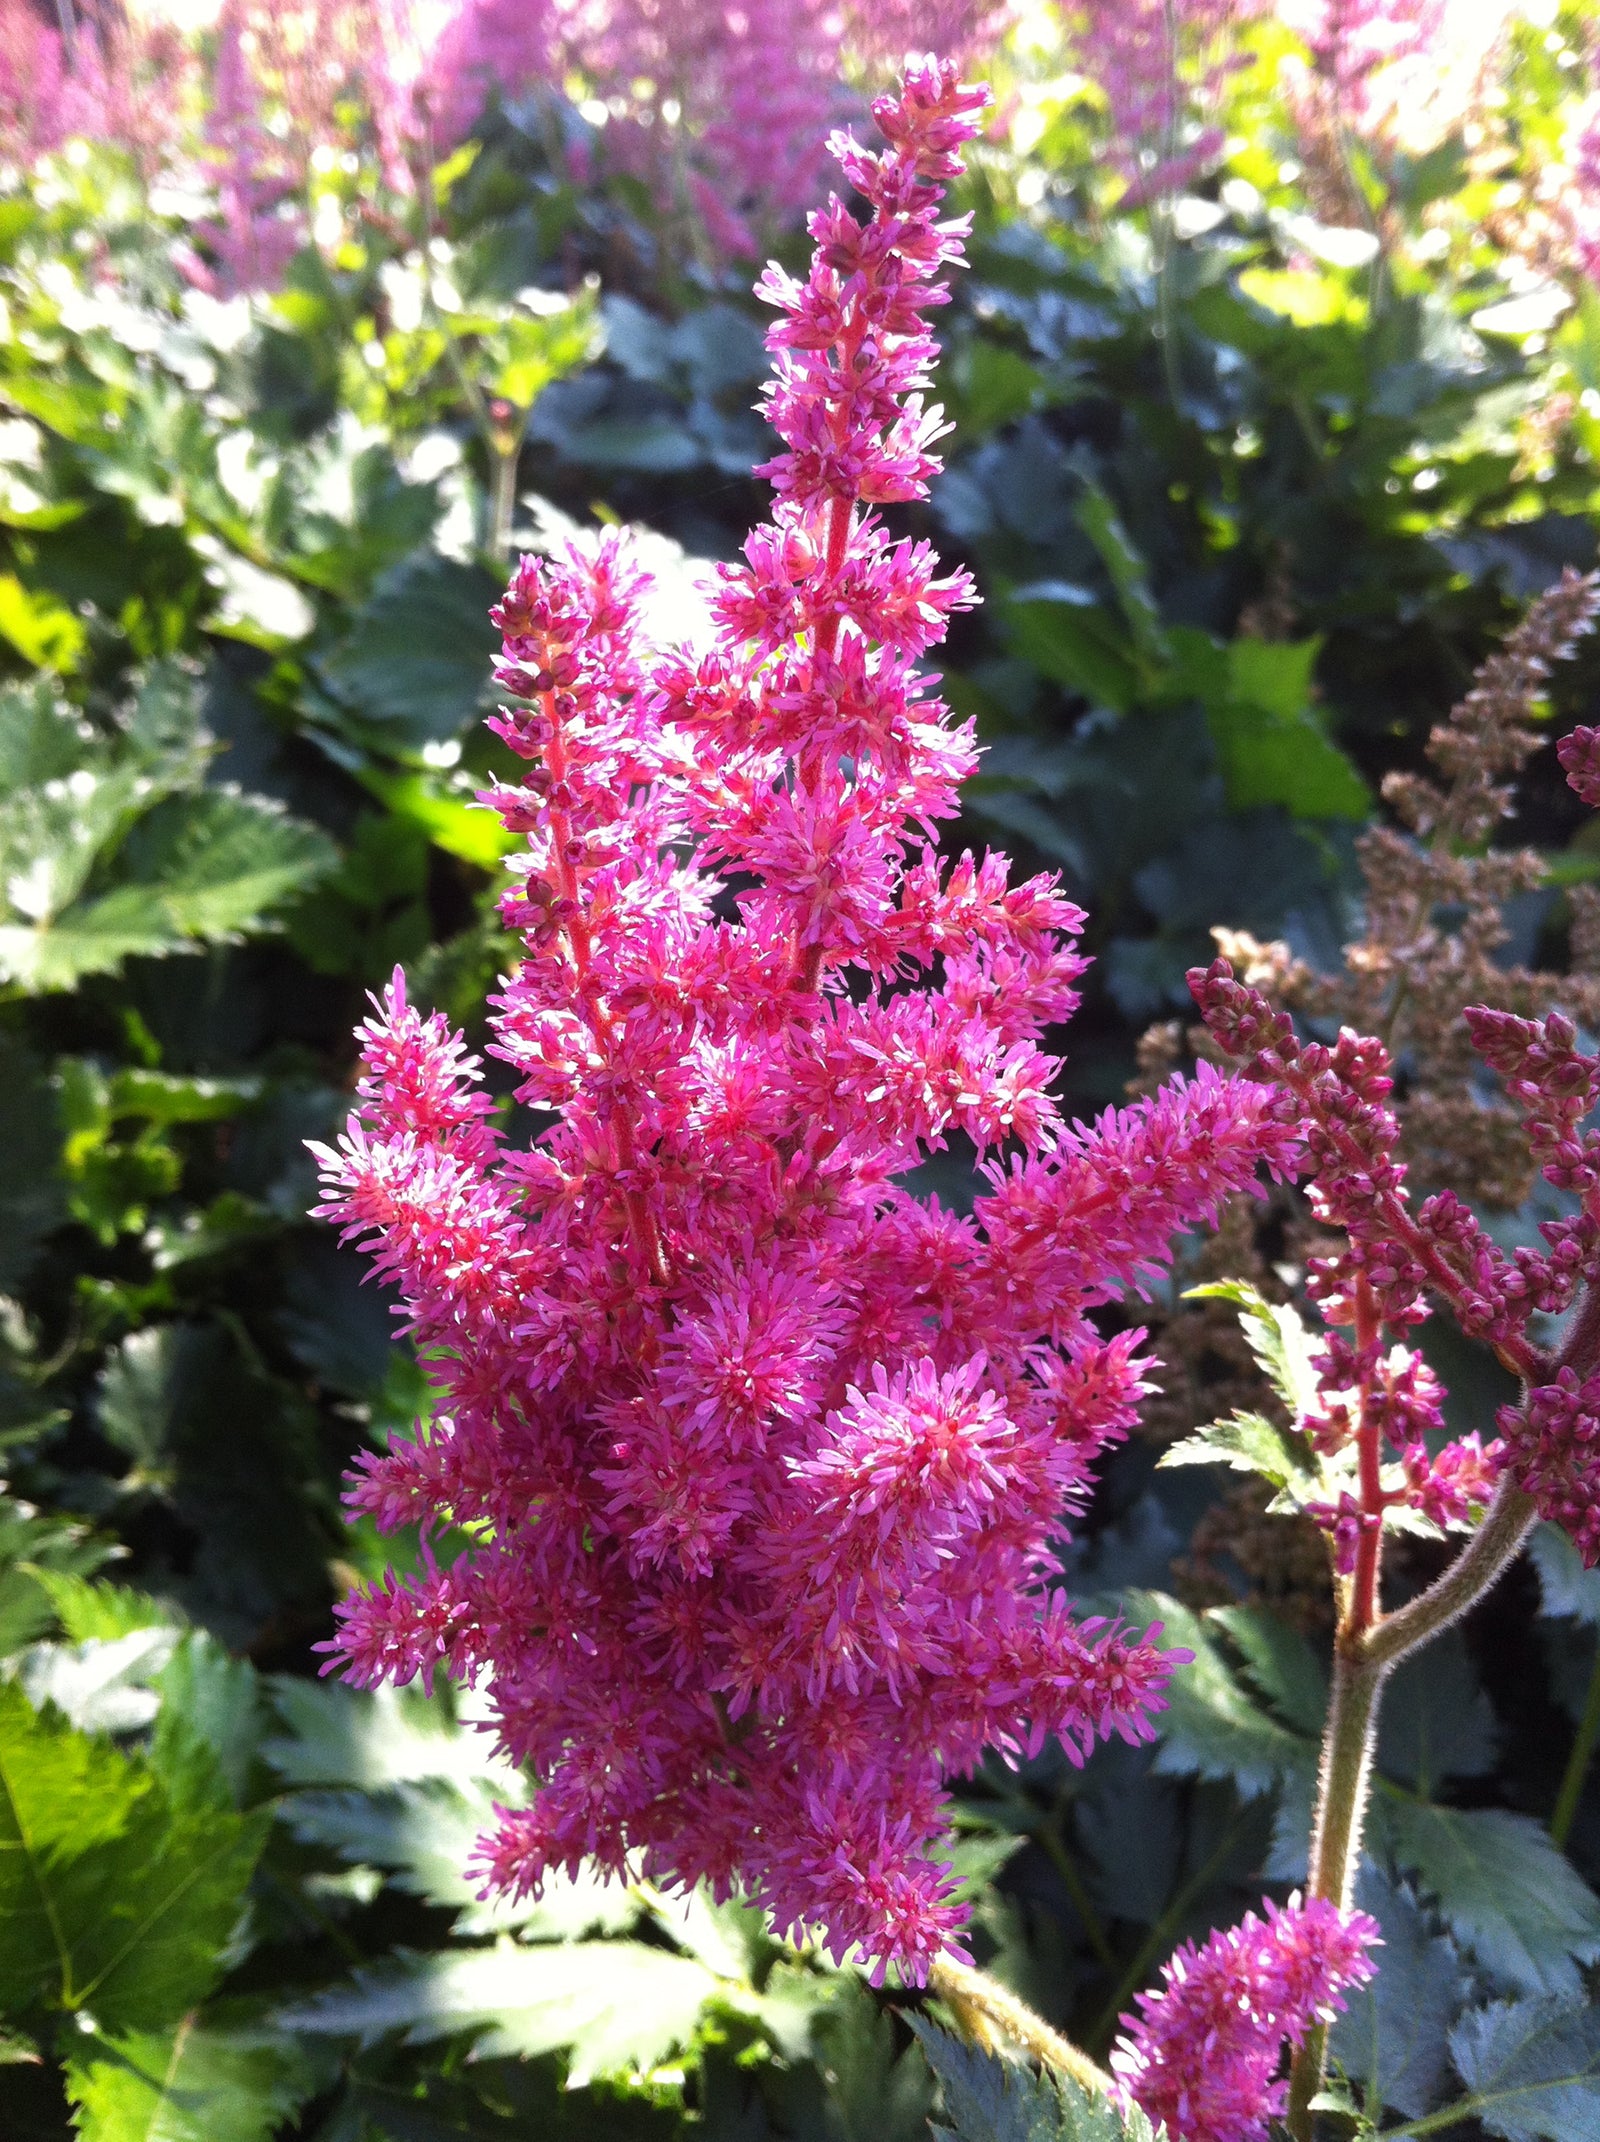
(1572, 1778)
(502, 496)
(1342, 1789)
(1363, 1660)
(1481, 1563)
(986, 2010)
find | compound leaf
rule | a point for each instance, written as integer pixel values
(986, 2099)
(192, 2084)
(1502, 1887)
(111, 1898)
(617, 2007)
(1532, 2069)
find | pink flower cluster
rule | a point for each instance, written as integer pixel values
(1160, 65)
(1401, 72)
(765, 1457)
(724, 111)
(1398, 1260)
(1203, 2053)
(126, 83)
(1400, 1401)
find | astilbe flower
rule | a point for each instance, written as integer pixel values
(1161, 65)
(1391, 75)
(288, 79)
(111, 75)
(1400, 1258)
(723, 110)
(1202, 2054)
(765, 1456)
(42, 101)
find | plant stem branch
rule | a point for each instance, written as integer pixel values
(1572, 1778)
(1485, 1558)
(1342, 1788)
(502, 496)
(1363, 1659)
(985, 2009)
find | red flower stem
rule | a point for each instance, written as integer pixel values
(641, 1221)
(841, 510)
(1519, 1355)
(1363, 1610)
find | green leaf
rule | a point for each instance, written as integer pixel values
(197, 2083)
(197, 868)
(98, 1612)
(452, 821)
(31, 1200)
(1279, 1663)
(1567, 1589)
(111, 1899)
(160, 1098)
(1213, 1726)
(35, 1552)
(218, 863)
(1532, 2069)
(1392, 2039)
(1277, 1335)
(42, 737)
(1076, 644)
(619, 2007)
(39, 626)
(991, 386)
(986, 2099)
(133, 1406)
(208, 1732)
(416, 660)
(1270, 737)
(1268, 760)
(1502, 1887)
(1436, 1720)
(873, 2096)
(1250, 1443)
(346, 1736)
(653, 445)
(424, 1830)
(533, 349)
(99, 1686)
(1097, 517)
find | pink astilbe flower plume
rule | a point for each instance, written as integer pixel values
(1203, 2053)
(1161, 66)
(766, 1458)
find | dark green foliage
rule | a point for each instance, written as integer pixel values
(119, 1898)
(1532, 2070)
(984, 2099)
(243, 662)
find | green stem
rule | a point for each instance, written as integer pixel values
(986, 2009)
(1433, 2123)
(502, 497)
(1363, 1660)
(1342, 1789)
(1577, 1769)
(1053, 1845)
(1159, 1938)
(1485, 1558)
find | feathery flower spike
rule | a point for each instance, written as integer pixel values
(1202, 2054)
(766, 1459)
